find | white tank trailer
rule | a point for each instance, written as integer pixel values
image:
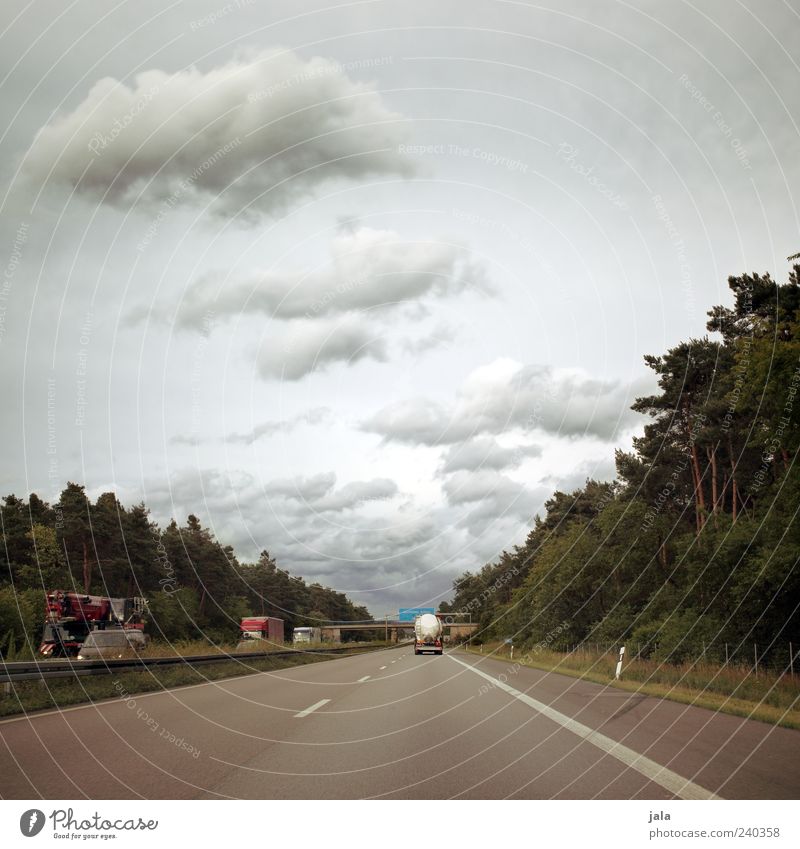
(427, 634)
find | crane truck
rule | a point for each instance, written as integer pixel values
(71, 617)
(428, 634)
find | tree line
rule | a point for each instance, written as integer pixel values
(196, 587)
(693, 549)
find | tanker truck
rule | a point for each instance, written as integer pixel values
(427, 634)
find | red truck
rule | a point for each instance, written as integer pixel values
(70, 617)
(261, 628)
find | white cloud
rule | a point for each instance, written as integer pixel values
(483, 452)
(302, 488)
(265, 127)
(315, 416)
(300, 347)
(368, 268)
(504, 396)
(356, 493)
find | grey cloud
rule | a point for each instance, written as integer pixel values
(265, 127)
(315, 416)
(504, 396)
(464, 487)
(497, 498)
(484, 452)
(318, 495)
(418, 421)
(300, 347)
(368, 268)
(304, 489)
(356, 493)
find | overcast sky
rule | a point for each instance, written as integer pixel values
(362, 284)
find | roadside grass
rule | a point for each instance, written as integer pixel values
(188, 648)
(47, 694)
(768, 697)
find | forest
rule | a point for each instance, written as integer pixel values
(195, 587)
(692, 551)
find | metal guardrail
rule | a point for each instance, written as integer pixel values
(42, 669)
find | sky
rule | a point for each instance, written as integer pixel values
(362, 284)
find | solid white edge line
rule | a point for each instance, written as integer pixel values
(361, 680)
(311, 709)
(666, 778)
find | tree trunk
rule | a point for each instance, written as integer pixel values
(711, 451)
(724, 491)
(699, 497)
(734, 492)
(87, 568)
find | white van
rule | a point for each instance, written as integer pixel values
(307, 635)
(111, 643)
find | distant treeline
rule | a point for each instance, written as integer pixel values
(196, 587)
(696, 542)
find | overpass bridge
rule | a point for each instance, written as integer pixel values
(393, 628)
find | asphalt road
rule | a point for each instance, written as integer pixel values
(391, 725)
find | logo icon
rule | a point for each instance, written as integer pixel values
(31, 822)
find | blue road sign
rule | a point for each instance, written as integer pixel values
(409, 614)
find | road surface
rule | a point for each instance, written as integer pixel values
(388, 724)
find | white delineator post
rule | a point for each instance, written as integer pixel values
(619, 662)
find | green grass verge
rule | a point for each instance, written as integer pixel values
(47, 694)
(767, 697)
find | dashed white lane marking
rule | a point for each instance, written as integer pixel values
(669, 780)
(311, 709)
(362, 680)
(383, 667)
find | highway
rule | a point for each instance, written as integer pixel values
(391, 725)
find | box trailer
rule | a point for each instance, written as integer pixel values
(266, 628)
